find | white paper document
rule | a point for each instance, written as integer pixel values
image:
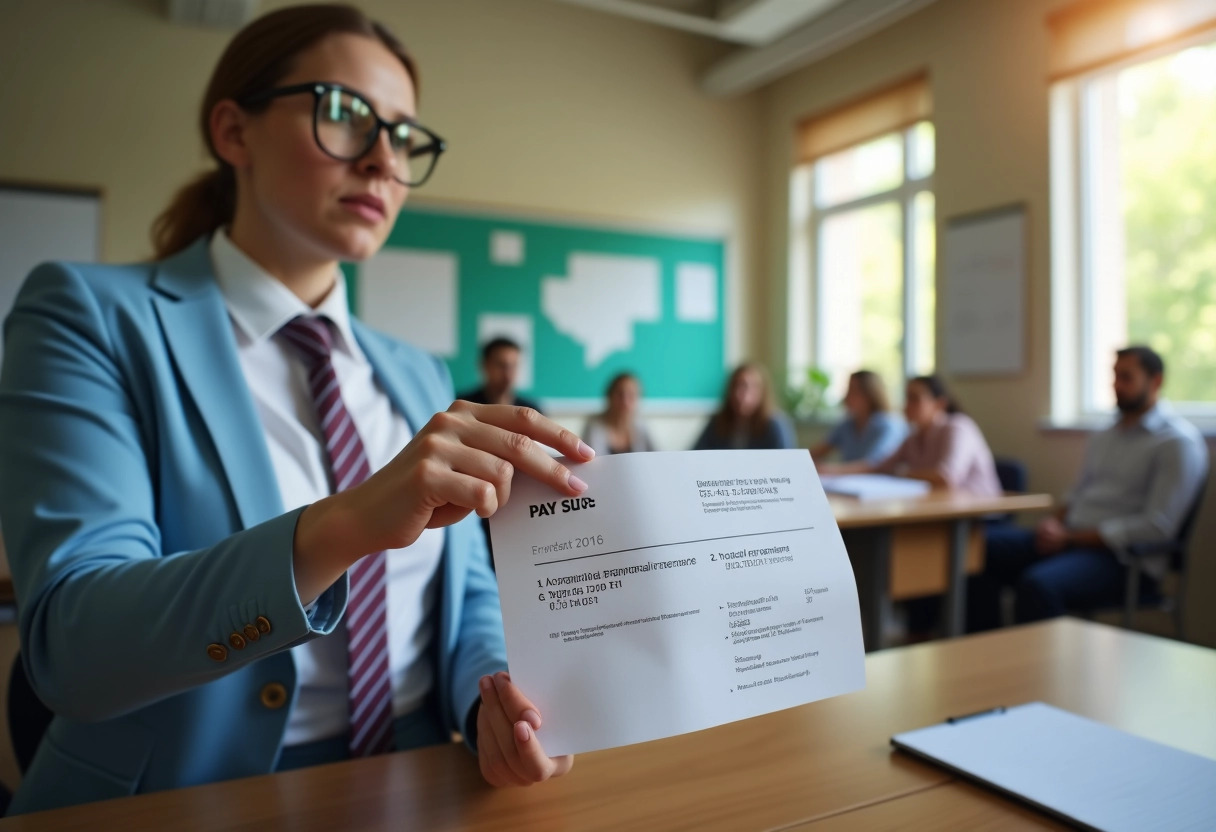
(875, 486)
(681, 591)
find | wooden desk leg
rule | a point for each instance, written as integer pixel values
(870, 552)
(956, 588)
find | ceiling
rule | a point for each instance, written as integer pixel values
(775, 37)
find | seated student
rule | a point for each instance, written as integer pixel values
(945, 448)
(1139, 479)
(869, 433)
(748, 417)
(499, 370)
(618, 430)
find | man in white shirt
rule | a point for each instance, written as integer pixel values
(1139, 480)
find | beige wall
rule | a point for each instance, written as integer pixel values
(987, 64)
(548, 109)
(556, 110)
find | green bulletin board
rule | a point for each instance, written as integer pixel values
(586, 302)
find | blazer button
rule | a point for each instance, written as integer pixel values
(263, 624)
(274, 696)
(217, 651)
(251, 633)
(237, 641)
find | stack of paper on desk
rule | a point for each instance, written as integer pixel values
(875, 486)
(681, 591)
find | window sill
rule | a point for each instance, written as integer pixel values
(1083, 426)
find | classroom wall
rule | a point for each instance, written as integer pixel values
(549, 109)
(987, 61)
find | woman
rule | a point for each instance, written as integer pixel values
(748, 417)
(156, 420)
(618, 430)
(946, 447)
(869, 432)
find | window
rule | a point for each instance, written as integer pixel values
(1134, 221)
(862, 254)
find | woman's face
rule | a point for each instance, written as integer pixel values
(625, 397)
(319, 205)
(855, 402)
(746, 393)
(920, 407)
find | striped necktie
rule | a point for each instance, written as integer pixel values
(370, 689)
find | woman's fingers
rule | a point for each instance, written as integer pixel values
(533, 763)
(501, 728)
(483, 466)
(494, 767)
(514, 703)
(529, 423)
(514, 728)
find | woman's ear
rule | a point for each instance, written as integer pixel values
(227, 125)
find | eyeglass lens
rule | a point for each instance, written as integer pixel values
(347, 127)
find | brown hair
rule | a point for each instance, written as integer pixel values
(872, 389)
(726, 421)
(938, 389)
(618, 380)
(255, 60)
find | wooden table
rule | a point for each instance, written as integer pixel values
(826, 765)
(949, 807)
(919, 546)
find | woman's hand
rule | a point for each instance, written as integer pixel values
(462, 461)
(508, 749)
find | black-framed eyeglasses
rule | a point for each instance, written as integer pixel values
(345, 127)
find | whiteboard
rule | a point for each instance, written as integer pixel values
(985, 297)
(37, 225)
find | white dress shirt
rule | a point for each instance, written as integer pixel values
(259, 306)
(1138, 482)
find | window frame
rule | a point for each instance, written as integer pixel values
(1073, 147)
(806, 327)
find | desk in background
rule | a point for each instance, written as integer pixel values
(827, 765)
(909, 548)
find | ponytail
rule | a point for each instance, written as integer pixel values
(939, 391)
(199, 208)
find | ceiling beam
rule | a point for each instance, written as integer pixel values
(837, 28)
(759, 22)
(656, 14)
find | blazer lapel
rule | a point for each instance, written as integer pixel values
(199, 334)
(397, 376)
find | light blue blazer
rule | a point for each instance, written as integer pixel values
(143, 524)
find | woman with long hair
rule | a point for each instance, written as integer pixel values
(748, 416)
(619, 429)
(240, 523)
(869, 432)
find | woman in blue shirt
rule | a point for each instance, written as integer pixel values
(869, 433)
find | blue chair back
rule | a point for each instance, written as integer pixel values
(1011, 473)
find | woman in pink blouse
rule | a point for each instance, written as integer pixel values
(945, 447)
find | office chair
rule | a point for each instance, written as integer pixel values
(1134, 598)
(1011, 473)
